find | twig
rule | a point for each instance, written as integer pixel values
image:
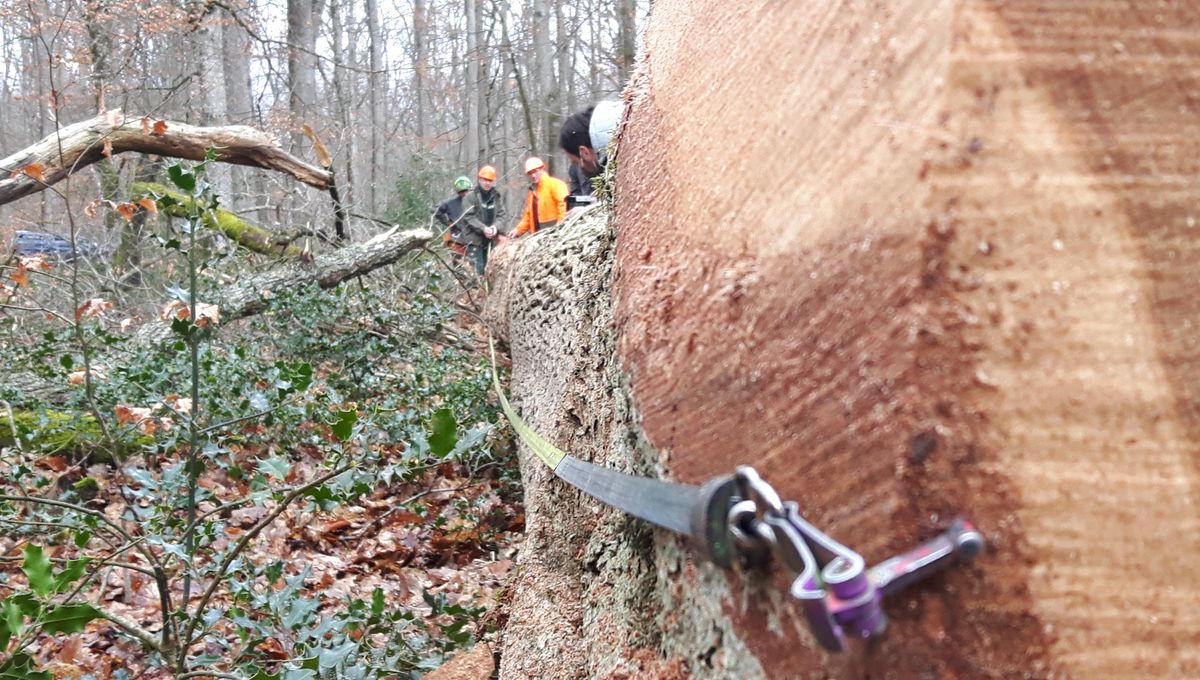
(400, 506)
(187, 639)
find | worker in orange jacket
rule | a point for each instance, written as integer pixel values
(546, 204)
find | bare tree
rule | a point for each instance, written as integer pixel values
(375, 96)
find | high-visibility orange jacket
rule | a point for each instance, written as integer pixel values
(551, 197)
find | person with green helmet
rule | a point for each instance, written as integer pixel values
(449, 212)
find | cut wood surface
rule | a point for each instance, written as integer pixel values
(78, 145)
(911, 260)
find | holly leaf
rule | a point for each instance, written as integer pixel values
(443, 432)
(69, 618)
(344, 426)
(12, 620)
(276, 466)
(68, 576)
(182, 178)
(37, 569)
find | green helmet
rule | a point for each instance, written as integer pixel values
(462, 184)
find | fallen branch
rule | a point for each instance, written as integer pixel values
(58, 155)
(233, 227)
(252, 295)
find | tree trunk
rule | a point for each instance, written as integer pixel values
(420, 20)
(375, 97)
(210, 64)
(969, 292)
(473, 86)
(235, 60)
(303, 24)
(546, 92)
(626, 39)
(228, 224)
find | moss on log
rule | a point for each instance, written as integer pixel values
(74, 435)
(236, 229)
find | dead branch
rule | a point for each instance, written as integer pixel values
(326, 271)
(58, 155)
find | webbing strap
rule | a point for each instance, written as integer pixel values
(549, 454)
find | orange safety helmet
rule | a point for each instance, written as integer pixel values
(534, 163)
(487, 172)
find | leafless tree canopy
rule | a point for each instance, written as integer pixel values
(405, 96)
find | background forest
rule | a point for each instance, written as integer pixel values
(315, 485)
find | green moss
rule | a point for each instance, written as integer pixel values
(65, 433)
(233, 227)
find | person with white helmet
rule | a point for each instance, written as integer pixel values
(546, 204)
(483, 217)
(585, 137)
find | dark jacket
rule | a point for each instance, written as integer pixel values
(448, 212)
(482, 209)
(581, 184)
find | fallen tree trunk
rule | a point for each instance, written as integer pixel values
(252, 295)
(76, 146)
(970, 290)
(234, 228)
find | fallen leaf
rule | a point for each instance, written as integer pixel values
(55, 463)
(127, 211)
(21, 275)
(175, 309)
(149, 204)
(145, 125)
(92, 307)
(160, 128)
(206, 314)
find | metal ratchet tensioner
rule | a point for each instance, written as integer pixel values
(743, 519)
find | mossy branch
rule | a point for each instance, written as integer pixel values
(233, 227)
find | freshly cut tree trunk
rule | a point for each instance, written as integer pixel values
(81, 144)
(911, 261)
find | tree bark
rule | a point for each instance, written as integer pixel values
(235, 59)
(375, 97)
(473, 85)
(210, 64)
(41, 165)
(420, 19)
(303, 26)
(626, 39)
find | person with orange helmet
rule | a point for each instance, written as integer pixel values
(546, 204)
(483, 217)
